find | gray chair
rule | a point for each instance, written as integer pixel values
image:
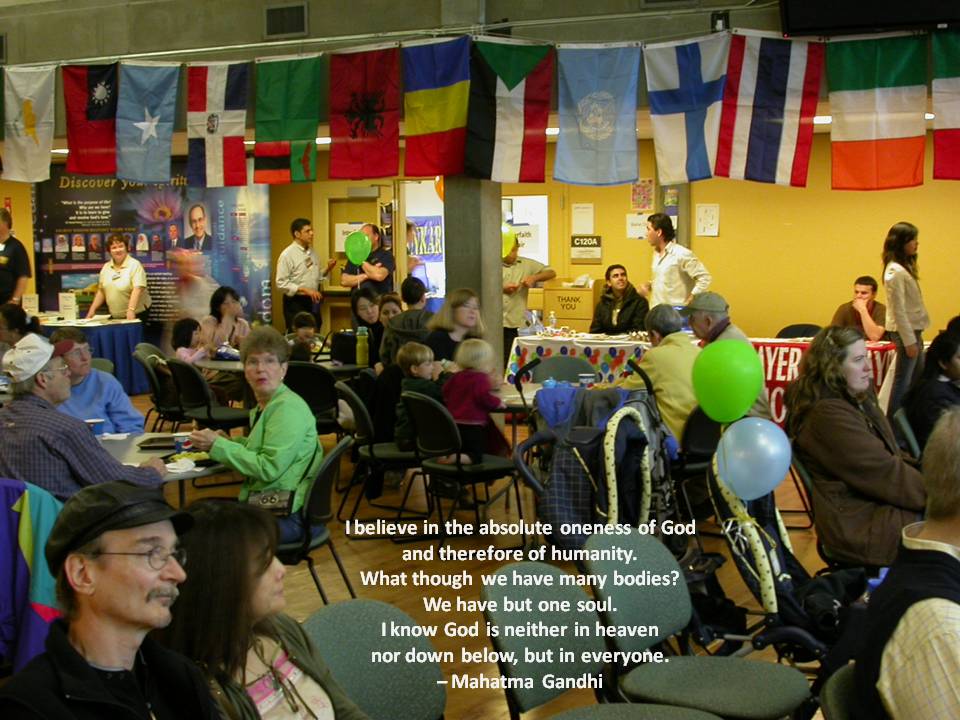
(562, 367)
(520, 699)
(198, 401)
(839, 695)
(732, 687)
(347, 633)
(903, 424)
(103, 365)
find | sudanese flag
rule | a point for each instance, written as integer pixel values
(90, 92)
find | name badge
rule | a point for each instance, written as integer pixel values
(116, 276)
(309, 263)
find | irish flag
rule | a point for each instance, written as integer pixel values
(509, 107)
(878, 96)
(946, 106)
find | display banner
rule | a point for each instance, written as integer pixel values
(226, 231)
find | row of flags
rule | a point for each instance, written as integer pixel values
(729, 105)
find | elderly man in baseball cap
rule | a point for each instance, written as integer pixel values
(45, 447)
(114, 553)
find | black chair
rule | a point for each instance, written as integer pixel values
(698, 443)
(163, 391)
(839, 697)
(317, 386)
(317, 511)
(198, 401)
(374, 459)
(437, 436)
(798, 330)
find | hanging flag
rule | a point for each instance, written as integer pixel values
(878, 97)
(216, 123)
(90, 93)
(946, 106)
(436, 83)
(597, 144)
(769, 100)
(148, 99)
(365, 114)
(28, 122)
(685, 88)
(509, 107)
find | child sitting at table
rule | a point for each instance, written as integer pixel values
(186, 341)
(467, 395)
(305, 343)
(416, 362)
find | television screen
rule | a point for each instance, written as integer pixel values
(847, 17)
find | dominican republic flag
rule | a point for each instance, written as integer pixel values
(216, 121)
(946, 105)
(90, 92)
(509, 107)
(685, 87)
(148, 99)
(766, 125)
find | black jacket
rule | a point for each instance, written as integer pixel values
(926, 402)
(633, 312)
(60, 684)
(410, 325)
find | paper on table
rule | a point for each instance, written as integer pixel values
(115, 436)
(181, 466)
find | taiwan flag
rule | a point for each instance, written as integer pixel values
(90, 92)
(216, 122)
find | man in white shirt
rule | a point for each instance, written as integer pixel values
(299, 274)
(677, 273)
(519, 275)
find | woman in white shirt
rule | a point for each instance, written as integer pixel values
(906, 314)
(122, 284)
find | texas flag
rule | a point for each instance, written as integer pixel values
(216, 121)
(90, 92)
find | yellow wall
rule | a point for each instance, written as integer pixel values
(16, 196)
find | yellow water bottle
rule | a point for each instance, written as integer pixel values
(363, 347)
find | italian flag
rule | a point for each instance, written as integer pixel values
(509, 107)
(878, 96)
(946, 106)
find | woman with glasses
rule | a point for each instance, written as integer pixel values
(459, 318)
(259, 662)
(281, 454)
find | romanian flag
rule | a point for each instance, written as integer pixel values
(946, 106)
(436, 79)
(509, 107)
(90, 92)
(878, 97)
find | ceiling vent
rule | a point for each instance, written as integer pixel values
(285, 21)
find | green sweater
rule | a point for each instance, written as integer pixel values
(237, 705)
(281, 450)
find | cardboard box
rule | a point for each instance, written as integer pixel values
(573, 306)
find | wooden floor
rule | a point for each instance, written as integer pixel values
(462, 704)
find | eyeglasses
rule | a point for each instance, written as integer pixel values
(62, 369)
(78, 351)
(157, 558)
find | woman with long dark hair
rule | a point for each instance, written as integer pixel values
(229, 620)
(14, 324)
(906, 314)
(938, 388)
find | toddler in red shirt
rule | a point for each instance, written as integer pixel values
(468, 397)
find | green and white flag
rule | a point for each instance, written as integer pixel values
(28, 122)
(946, 106)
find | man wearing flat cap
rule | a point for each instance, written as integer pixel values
(114, 553)
(48, 448)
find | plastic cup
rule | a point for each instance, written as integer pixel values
(96, 424)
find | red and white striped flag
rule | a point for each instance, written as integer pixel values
(216, 122)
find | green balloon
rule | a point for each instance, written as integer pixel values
(727, 379)
(357, 247)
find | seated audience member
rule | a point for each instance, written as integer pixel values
(621, 308)
(281, 454)
(366, 311)
(864, 491)
(225, 325)
(863, 312)
(304, 343)
(709, 316)
(115, 554)
(187, 343)
(907, 664)
(669, 364)
(14, 325)
(458, 319)
(48, 448)
(410, 325)
(469, 398)
(389, 307)
(937, 389)
(94, 393)
(258, 662)
(416, 363)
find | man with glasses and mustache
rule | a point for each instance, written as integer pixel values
(114, 553)
(47, 448)
(94, 393)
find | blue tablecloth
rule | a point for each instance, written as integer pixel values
(116, 342)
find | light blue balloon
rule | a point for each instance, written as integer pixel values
(753, 457)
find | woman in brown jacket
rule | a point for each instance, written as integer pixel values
(864, 492)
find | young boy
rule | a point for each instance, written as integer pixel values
(416, 361)
(304, 341)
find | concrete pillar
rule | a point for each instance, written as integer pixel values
(471, 221)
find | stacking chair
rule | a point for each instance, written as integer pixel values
(347, 633)
(798, 330)
(163, 391)
(316, 512)
(103, 365)
(317, 386)
(698, 443)
(562, 367)
(546, 600)
(732, 687)
(839, 695)
(437, 436)
(198, 401)
(903, 424)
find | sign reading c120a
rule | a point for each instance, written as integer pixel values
(586, 249)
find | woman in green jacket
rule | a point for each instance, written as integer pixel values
(228, 619)
(281, 454)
